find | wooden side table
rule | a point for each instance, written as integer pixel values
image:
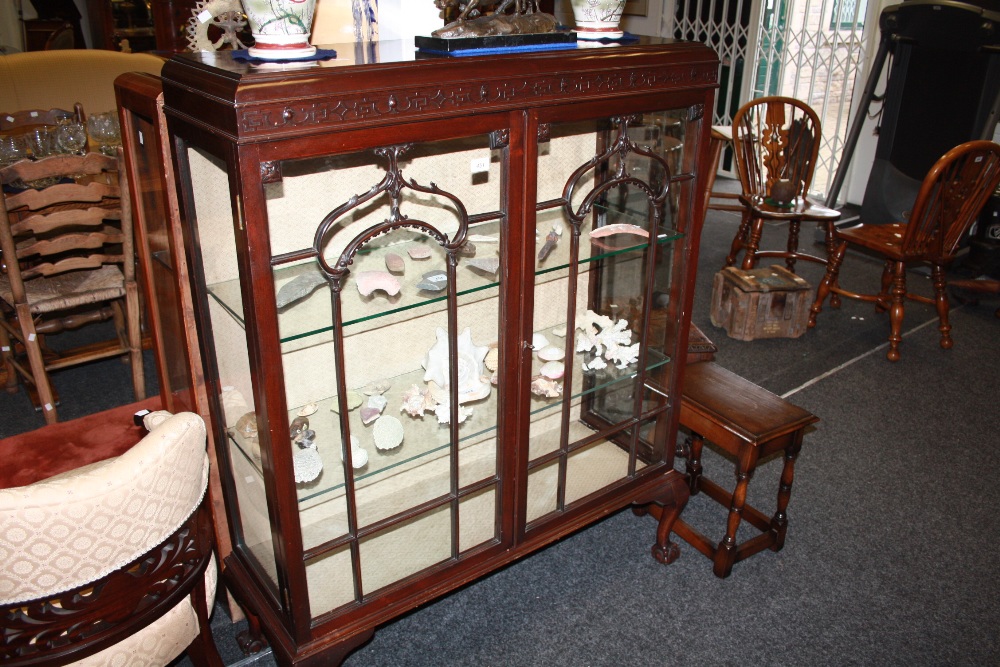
(747, 422)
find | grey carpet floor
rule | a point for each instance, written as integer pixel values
(889, 559)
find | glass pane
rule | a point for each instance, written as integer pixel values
(331, 580)
(217, 240)
(478, 520)
(405, 548)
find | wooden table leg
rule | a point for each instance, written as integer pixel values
(725, 553)
(779, 523)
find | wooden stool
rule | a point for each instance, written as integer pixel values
(748, 422)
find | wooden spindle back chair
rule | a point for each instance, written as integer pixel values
(777, 138)
(950, 198)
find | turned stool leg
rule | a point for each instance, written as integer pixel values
(725, 553)
(779, 522)
(693, 465)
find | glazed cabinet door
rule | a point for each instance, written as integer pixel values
(613, 193)
(353, 296)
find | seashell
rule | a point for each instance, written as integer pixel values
(394, 263)
(597, 364)
(550, 244)
(247, 425)
(377, 387)
(483, 238)
(553, 370)
(433, 281)
(388, 433)
(543, 386)
(298, 288)
(467, 249)
(417, 401)
(298, 426)
(485, 264)
(558, 229)
(359, 455)
(418, 251)
(538, 341)
(492, 359)
(354, 400)
(443, 413)
(307, 465)
(471, 386)
(307, 409)
(378, 401)
(371, 281)
(551, 353)
(368, 415)
(618, 228)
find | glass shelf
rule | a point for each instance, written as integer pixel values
(312, 315)
(424, 437)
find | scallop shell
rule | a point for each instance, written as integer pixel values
(551, 353)
(307, 409)
(371, 281)
(388, 433)
(538, 341)
(394, 263)
(492, 359)
(553, 370)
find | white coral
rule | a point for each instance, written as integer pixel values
(607, 338)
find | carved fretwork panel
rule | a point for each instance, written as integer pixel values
(89, 618)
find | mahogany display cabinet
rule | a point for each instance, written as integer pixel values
(442, 305)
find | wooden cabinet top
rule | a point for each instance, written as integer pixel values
(386, 83)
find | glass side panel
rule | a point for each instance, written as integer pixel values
(478, 518)
(602, 298)
(331, 580)
(154, 226)
(216, 237)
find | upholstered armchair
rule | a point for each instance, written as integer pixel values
(112, 563)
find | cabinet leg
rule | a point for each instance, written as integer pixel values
(671, 495)
(252, 639)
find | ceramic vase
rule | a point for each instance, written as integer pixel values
(280, 28)
(598, 19)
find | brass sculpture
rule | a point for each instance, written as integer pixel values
(485, 18)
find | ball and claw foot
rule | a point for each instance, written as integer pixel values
(666, 554)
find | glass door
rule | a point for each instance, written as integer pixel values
(606, 265)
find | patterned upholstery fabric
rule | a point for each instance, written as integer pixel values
(159, 642)
(74, 528)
